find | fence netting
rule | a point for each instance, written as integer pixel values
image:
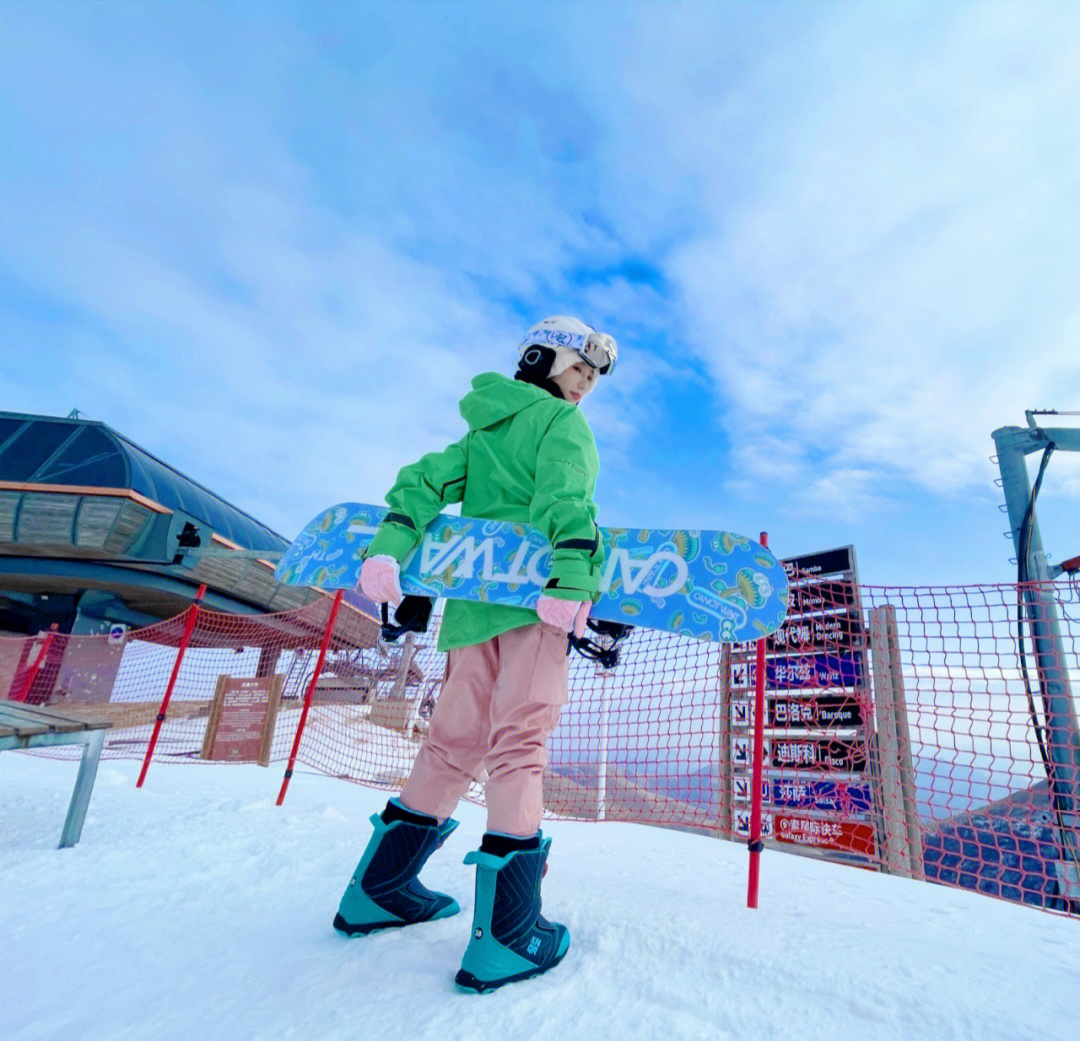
(925, 731)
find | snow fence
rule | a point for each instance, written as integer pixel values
(924, 731)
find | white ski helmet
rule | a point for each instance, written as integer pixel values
(572, 341)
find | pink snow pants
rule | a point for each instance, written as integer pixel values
(500, 701)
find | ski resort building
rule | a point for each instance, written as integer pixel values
(95, 531)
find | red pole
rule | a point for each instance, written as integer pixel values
(310, 693)
(755, 844)
(189, 628)
(34, 669)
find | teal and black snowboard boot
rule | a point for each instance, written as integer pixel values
(511, 940)
(384, 892)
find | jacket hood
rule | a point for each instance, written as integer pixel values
(494, 397)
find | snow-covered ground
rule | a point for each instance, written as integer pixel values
(197, 909)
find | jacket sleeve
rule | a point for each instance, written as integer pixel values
(563, 509)
(421, 490)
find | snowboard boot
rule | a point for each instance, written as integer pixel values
(384, 892)
(511, 940)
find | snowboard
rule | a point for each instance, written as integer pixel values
(712, 585)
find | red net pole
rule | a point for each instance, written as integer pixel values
(185, 639)
(309, 694)
(755, 844)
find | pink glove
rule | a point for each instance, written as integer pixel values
(568, 615)
(380, 579)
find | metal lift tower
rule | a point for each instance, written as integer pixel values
(1059, 733)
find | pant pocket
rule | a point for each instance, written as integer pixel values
(551, 668)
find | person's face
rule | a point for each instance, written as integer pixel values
(576, 381)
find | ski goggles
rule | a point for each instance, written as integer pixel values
(597, 349)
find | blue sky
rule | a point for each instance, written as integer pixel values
(837, 243)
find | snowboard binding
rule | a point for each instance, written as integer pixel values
(410, 616)
(604, 648)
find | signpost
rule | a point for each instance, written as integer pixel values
(817, 714)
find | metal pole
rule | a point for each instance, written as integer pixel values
(189, 628)
(1061, 727)
(601, 776)
(755, 843)
(84, 785)
(309, 694)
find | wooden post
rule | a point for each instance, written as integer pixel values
(310, 693)
(907, 769)
(396, 711)
(723, 752)
(185, 639)
(902, 833)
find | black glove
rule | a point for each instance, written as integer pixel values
(411, 616)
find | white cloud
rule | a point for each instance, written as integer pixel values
(899, 280)
(863, 218)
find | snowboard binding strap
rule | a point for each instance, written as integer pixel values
(604, 648)
(410, 616)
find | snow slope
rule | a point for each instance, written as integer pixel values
(195, 908)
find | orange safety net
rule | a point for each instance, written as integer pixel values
(904, 729)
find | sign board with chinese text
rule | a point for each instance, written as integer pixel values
(819, 712)
(808, 754)
(817, 565)
(828, 595)
(803, 712)
(242, 715)
(843, 836)
(830, 632)
(835, 796)
(817, 784)
(811, 670)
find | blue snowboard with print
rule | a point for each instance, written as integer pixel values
(712, 585)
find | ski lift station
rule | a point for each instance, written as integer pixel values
(96, 532)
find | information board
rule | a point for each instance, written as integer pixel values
(816, 712)
(834, 755)
(828, 632)
(832, 796)
(242, 715)
(817, 565)
(818, 715)
(827, 595)
(804, 671)
(843, 836)
(804, 712)
(798, 793)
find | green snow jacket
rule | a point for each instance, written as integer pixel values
(528, 457)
